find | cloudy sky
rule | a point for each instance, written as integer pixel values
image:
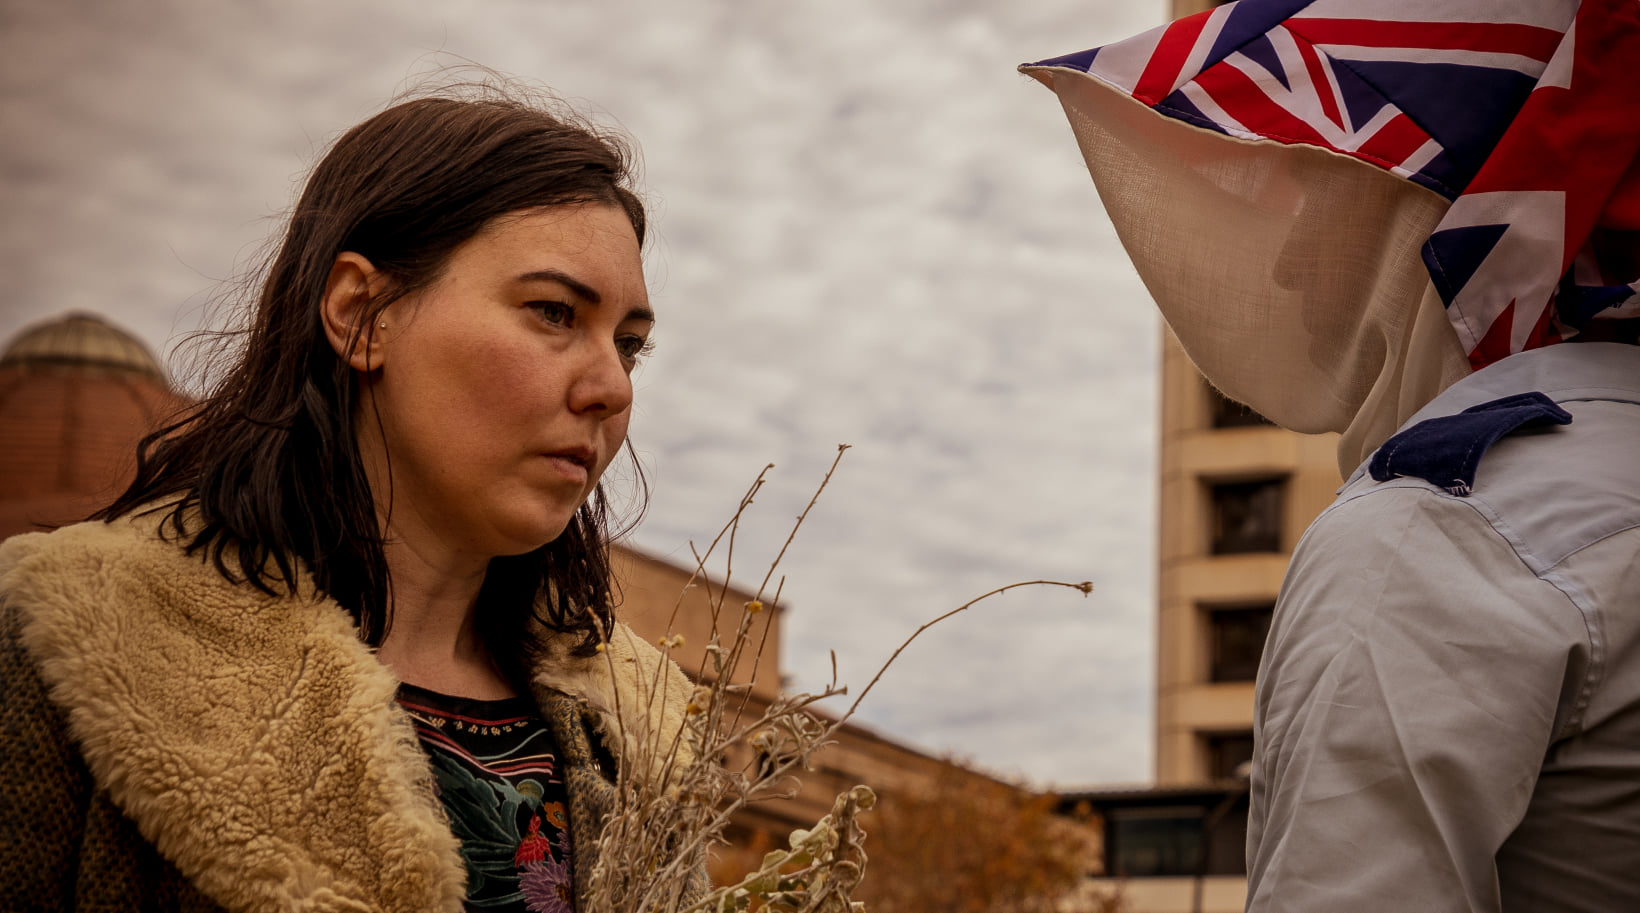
(868, 230)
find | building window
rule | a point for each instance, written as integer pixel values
(1226, 826)
(1224, 412)
(1153, 842)
(1205, 834)
(1227, 752)
(1237, 638)
(1247, 516)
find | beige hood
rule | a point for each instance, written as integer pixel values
(1353, 344)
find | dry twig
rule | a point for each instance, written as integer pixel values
(656, 836)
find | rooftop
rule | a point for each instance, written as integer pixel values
(82, 340)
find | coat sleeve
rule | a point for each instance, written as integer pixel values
(65, 846)
(1415, 676)
(589, 770)
(45, 788)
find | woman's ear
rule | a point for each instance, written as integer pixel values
(348, 295)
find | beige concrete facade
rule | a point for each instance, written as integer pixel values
(1197, 461)
(1215, 894)
(658, 598)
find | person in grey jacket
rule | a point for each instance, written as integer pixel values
(1448, 709)
(1447, 714)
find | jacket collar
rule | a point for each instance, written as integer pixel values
(252, 738)
(1565, 372)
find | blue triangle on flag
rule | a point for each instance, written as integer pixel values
(1439, 175)
(1264, 54)
(1362, 100)
(1454, 254)
(1180, 106)
(1464, 108)
(1081, 60)
(1576, 305)
(1250, 19)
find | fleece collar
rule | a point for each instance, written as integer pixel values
(252, 738)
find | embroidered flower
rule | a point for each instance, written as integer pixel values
(546, 887)
(534, 847)
(556, 815)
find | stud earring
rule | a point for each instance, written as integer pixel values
(383, 324)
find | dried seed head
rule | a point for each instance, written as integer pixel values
(755, 606)
(863, 796)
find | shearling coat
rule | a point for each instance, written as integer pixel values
(173, 741)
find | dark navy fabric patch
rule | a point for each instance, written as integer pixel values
(1445, 451)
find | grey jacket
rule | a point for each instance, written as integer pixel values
(1448, 709)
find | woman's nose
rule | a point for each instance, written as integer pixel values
(601, 382)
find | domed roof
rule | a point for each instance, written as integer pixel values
(81, 339)
(76, 395)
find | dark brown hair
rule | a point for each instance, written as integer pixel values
(264, 474)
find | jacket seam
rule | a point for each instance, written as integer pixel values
(1549, 575)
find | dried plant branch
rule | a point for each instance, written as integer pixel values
(1085, 587)
(729, 755)
(841, 449)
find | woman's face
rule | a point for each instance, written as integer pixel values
(504, 389)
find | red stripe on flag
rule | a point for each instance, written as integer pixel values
(1318, 78)
(1394, 142)
(1622, 211)
(1544, 332)
(1156, 82)
(1495, 344)
(1242, 99)
(1491, 37)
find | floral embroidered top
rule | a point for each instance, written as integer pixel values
(497, 774)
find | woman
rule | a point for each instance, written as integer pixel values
(345, 643)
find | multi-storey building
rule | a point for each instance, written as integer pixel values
(1236, 493)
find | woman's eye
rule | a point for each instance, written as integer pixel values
(633, 348)
(556, 313)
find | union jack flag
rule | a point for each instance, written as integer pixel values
(1524, 114)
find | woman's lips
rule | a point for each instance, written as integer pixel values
(574, 462)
